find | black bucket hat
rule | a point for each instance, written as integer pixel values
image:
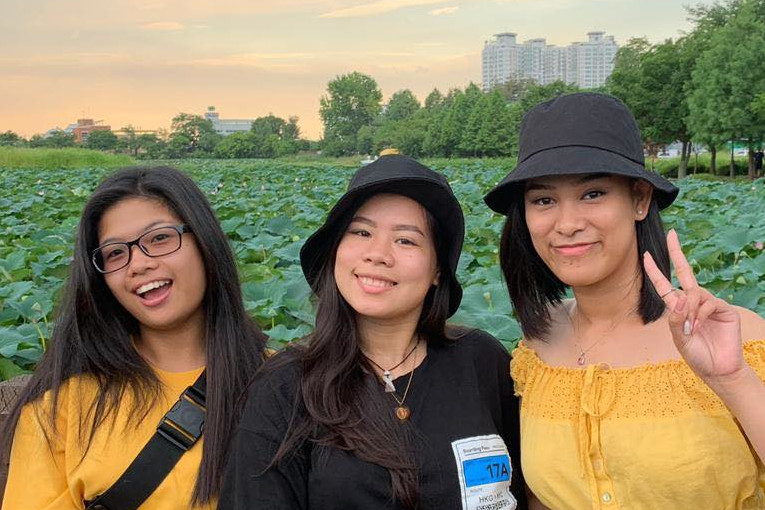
(400, 175)
(575, 134)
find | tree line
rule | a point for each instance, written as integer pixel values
(190, 136)
(707, 87)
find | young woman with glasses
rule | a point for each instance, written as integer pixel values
(151, 302)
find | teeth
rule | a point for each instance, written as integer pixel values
(151, 285)
(373, 282)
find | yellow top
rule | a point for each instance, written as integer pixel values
(60, 478)
(649, 437)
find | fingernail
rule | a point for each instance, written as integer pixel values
(686, 328)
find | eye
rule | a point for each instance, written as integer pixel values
(160, 237)
(405, 241)
(593, 194)
(112, 253)
(359, 232)
(541, 201)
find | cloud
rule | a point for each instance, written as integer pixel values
(379, 7)
(163, 26)
(444, 11)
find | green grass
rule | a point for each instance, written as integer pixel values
(53, 159)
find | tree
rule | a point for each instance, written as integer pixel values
(352, 101)
(56, 139)
(129, 140)
(727, 78)
(9, 138)
(102, 140)
(150, 145)
(651, 80)
(238, 145)
(195, 131)
(402, 105)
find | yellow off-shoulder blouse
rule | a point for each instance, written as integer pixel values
(644, 438)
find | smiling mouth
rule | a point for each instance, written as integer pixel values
(147, 290)
(573, 249)
(375, 282)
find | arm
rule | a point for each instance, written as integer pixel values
(707, 332)
(249, 482)
(37, 475)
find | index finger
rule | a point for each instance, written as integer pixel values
(661, 284)
(683, 269)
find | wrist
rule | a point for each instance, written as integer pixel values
(731, 385)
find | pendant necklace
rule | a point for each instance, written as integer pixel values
(403, 412)
(582, 359)
(387, 375)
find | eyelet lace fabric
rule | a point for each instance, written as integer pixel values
(650, 436)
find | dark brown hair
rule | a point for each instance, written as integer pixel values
(89, 313)
(533, 287)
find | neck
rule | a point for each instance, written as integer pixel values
(386, 342)
(178, 350)
(606, 304)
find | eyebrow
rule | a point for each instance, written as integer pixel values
(396, 228)
(145, 229)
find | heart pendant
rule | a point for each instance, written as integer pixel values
(402, 413)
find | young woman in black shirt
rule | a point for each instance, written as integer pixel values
(383, 406)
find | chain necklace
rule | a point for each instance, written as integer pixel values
(582, 359)
(387, 375)
(403, 412)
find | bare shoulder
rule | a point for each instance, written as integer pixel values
(752, 325)
(560, 328)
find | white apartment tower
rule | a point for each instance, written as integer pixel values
(585, 64)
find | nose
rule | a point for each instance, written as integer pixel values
(378, 251)
(139, 261)
(569, 219)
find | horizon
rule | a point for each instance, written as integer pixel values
(144, 62)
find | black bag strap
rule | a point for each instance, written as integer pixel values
(177, 432)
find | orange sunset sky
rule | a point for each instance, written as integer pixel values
(141, 62)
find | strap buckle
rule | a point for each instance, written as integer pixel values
(184, 423)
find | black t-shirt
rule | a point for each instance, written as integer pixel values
(462, 409)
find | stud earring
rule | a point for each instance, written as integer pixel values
(640, 211)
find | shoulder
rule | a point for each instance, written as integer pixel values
(478, 342)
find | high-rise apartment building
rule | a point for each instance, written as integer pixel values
(586, 64)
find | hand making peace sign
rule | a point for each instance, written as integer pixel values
(706, 330)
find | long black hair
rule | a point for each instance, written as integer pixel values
(533, 287)
(341, 404)
(89, 313)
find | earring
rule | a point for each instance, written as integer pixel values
(640, 211)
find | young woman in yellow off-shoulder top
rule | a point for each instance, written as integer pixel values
(635, 394)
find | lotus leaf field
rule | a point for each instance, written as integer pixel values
(267, 208)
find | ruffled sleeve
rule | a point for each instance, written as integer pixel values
(754, 354)
(520, 366)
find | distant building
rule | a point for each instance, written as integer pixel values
(81, 129)
(227, 126)
(585, 64)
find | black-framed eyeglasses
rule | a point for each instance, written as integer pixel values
(156, 242)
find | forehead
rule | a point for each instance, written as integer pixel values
(387, 205)
(570, 181)
(130, 217)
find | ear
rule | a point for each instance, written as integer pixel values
(437, 278)
(642, 191)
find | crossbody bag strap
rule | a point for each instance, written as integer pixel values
(177, 432)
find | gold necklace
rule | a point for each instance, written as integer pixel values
(403, 412)
(582, 359)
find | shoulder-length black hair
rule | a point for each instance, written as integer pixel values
(89, 313)
(337, 395)
(533, 287)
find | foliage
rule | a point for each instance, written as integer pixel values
(9, 138)
(352, 101)
(56, 139)
(60, 159)
(728, 76)
(101, 139)
(192, 135)
(268, 208)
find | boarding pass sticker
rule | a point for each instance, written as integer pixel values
(485, 473)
